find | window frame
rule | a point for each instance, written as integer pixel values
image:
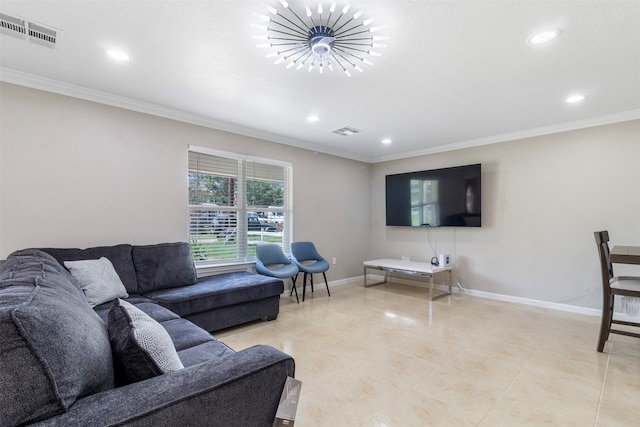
(242, 208)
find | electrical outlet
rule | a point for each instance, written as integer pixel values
(333, 261)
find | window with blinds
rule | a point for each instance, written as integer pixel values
(235, 203)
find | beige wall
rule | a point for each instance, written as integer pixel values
(77, 174)
(542, 199)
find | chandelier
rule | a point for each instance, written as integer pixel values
(326, 39)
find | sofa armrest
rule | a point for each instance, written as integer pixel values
(239, 390)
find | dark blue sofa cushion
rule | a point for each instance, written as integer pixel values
(30, 262)
(193, 344)
(119, 255)
(56, 346)
(217, 291)
(205, 352)
(162, 266)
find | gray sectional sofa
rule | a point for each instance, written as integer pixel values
(165, 274)
(60, 365)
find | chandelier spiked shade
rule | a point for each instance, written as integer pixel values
(319, 38)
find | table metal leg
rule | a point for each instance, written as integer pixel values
(431, 287)
(444, 294)
(377, 283)
(429, 275)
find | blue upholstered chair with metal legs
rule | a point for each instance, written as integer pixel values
(271, 261)
(305, 256)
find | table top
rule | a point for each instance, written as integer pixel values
(413, 266)
(625, 254)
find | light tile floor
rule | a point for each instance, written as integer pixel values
(385, 356)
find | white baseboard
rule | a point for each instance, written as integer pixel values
(502, 297)
(533, 302)
(332, 283)
(482, 294)
(526, 301)
(552, 305)
(347, 281)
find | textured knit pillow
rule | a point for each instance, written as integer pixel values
(141, 347)
(98, 279)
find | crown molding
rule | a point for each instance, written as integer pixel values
(513, 136)
(67, 89)
(80, 92)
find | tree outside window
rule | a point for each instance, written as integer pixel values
(222, 190)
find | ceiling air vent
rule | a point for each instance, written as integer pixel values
(11, 26)
(29, 31)
(346, 131)
(42, 35)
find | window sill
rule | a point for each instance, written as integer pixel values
(206, 269)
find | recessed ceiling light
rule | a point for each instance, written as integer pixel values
(543, 37)
(387, 141)
(313, 118)
(117, 55)
(575, 98)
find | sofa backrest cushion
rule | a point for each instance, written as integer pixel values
(30, 262)
(119, 255)
(54, 348)
(162, 266)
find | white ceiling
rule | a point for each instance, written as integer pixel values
(454, 74)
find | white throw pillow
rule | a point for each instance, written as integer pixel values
(141, 346)
(98, 279)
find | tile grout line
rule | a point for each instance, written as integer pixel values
(604, 380)
(507, 387)
(294, 327)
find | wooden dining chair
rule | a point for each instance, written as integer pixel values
(628, 286)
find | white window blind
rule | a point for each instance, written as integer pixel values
(235, 203)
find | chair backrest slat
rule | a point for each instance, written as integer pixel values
(606, 267)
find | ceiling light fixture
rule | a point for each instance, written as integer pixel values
(319, 38)
(386, 141)
(313, 118)
(543, 37)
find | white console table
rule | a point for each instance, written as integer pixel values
(423, 269)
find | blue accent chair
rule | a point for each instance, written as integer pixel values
(305, 256)
(271, 261)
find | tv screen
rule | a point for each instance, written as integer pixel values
(449, 197)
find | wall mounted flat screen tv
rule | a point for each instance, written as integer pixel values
(449, 197)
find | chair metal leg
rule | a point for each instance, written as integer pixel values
(326, 283)
(293, 289)
(304, 285)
